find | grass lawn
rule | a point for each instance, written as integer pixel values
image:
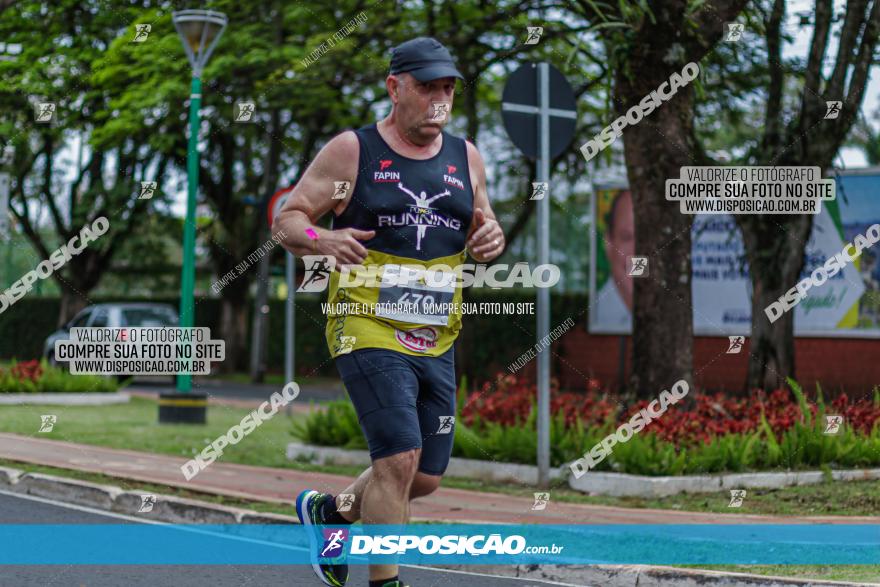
(134, 426)
(861, 498)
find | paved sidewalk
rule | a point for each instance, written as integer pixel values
(282, 486)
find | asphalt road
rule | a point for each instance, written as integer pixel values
(29, 510)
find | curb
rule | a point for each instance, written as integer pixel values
(178, 510)
(64, 399)
(646, 576)
(458, 467)
(623, 484)
(167, 508)
(594, 483)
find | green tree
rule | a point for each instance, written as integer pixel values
(793, 131)
(645, 44)
(60, 45)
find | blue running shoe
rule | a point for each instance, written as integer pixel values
(328, 552)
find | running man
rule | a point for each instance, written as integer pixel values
(399, 372)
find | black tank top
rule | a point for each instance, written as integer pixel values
(420, 209)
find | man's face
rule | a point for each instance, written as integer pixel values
(620, 243)
(415, 104)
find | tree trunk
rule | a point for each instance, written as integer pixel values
(81, 276)
(234, 328)
(71, 303)
(655, 149)
(775, 251)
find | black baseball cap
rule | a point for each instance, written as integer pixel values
(425, 58)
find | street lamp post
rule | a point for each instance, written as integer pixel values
(8, 52)
(199, 31)
(6, 158)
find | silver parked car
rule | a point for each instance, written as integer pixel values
(113, 316)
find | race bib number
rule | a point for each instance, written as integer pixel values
(415, 295)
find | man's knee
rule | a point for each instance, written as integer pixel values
(424, 484)
(399, 468)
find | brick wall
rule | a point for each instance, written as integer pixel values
(851, 365)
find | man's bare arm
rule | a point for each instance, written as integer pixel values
(485, 237)
(312, 198)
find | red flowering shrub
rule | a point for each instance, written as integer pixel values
(26, 371)
(510, 400)
(40, 377)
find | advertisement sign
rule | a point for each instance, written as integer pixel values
(848, 304)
